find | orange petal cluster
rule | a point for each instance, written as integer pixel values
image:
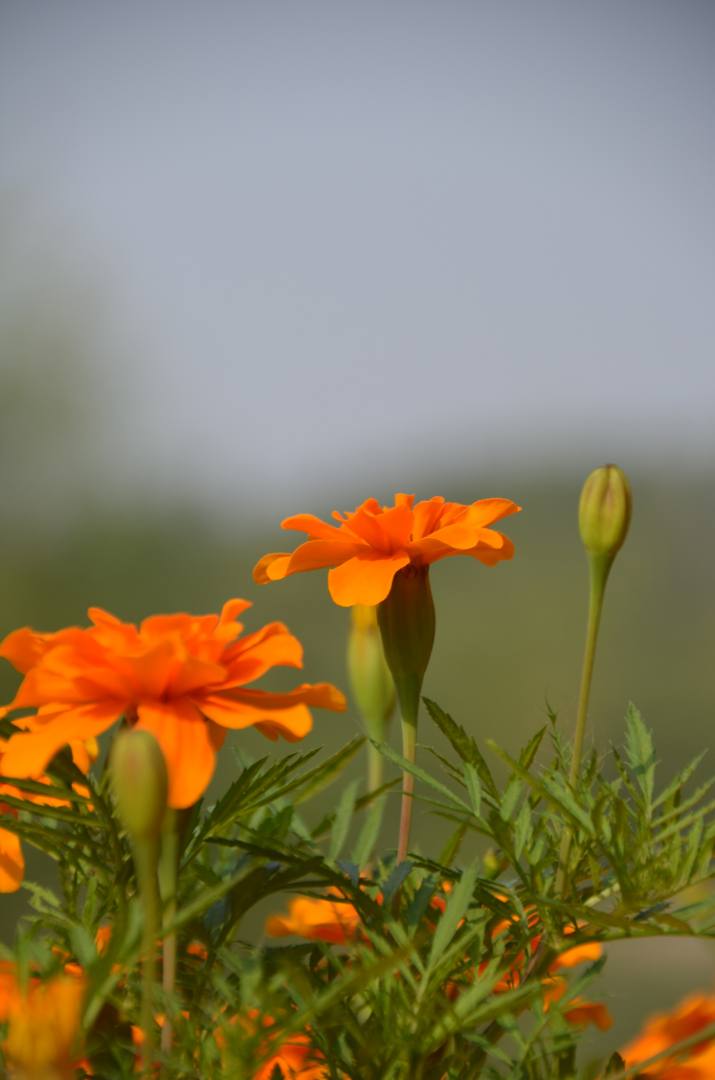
(295, 1058)
(332, 921)
(12, 860)
(43, 1025)
(661, 1032)
(370, 545)
(182, 677)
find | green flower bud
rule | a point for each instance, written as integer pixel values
(370, 679)
(407, 624)
(140, 783)
(604, 511)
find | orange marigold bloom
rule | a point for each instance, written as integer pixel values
(43, 1028)
(295, 1058)
(182, 677)
(317, 920)
(370, 545)
(693, 1014)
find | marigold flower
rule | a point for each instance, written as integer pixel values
(321, 919)
(294, 1059)
(43, 1029)
(371, 544)
(181, 677)
(665, 1030)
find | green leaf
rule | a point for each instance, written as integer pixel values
(640, 753)
(522, 829)
(510, 798)
(529, 752)
(425, 777)
(343, 818)
(463, 743)
(368, 834)
(457, 906)
(322, 775)
(471, 779)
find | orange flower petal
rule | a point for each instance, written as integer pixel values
(272, 567)
(29, 753)
(364, 579)
(293, 722)
(12, 862)
(188, 744)
(578, 954)
(312, 525)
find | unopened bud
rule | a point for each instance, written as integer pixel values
(140, 783)
(370, 679)
(604, 512)
(407, 624)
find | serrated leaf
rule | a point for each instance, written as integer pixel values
(324, 774)
(530, 751)
(640, 752)
(422, 775)
(679, 781)
(463, 743)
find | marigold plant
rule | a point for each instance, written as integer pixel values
(278, 932)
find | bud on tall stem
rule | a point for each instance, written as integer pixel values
(604, 517)
(140, 785)
(371, 684)
(407, 625)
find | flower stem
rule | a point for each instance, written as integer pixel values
(409, 743)
(375, 768)
(168, 868)
(599, 567)
(407, 624)
(146, 855)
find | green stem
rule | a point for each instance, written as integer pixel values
(146, 855)
(375, 768)
(409, 709)
(168, 869)
(599, 567)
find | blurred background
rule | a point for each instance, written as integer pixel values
(263, 257)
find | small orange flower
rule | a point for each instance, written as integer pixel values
(182, 677)
(316, 920)
(43, 1028)
(664, 1030)
(371, 544)
(295, 1058)
(12, 860)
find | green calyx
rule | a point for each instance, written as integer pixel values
(407, 625)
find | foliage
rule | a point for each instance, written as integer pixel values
(446, 977)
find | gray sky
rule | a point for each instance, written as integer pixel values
(353, 238)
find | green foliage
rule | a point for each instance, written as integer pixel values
(448, 973)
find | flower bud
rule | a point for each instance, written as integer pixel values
(407, 624)
(140, 783)
(604, 512)
(370, 679)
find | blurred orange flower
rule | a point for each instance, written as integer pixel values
(181, 677)
(293, 1059)
(371, 544)
(12, 860)
(43, 1027)
(664, 1030)
(332, 921)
